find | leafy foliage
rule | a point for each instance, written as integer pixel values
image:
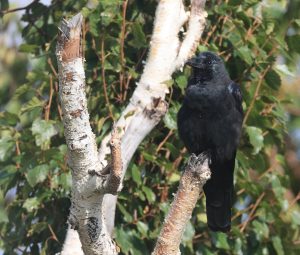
(249, 35)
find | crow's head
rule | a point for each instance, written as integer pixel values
(206, 61)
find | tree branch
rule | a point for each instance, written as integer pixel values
(3, 12)
(196, 26)
(195, 175)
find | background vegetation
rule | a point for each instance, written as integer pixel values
(259, 41)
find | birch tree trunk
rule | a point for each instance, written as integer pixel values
(91, 207)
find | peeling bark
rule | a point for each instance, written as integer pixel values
(88, 185)
(195, 175)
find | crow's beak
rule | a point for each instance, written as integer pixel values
(195, 62)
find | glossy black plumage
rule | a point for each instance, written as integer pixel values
(210, 119)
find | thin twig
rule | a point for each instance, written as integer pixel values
(122, 39)
(54, 237)
(239, 213)
(104, 80)
(164, 141)
(295, 200)
(126, 87)
(52, 67)
(261, 78)
(18, 152)
(57, 102)
(244, 225)
(18, 9)
(48, 106)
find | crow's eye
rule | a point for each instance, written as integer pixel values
(209, 62)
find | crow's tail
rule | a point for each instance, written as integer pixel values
(218, 207)
(219, 192)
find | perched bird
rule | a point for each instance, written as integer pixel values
(210, 120)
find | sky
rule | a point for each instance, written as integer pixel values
(11, 36)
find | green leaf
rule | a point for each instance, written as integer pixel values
(297, 21)
(65, 180)
(37, 174)
(130, 242)
(270, 28)
(221, 241)
(256, 138)
(142, 228)
(4, 4)
(139, 36)
(169, 121)
(149, 194)
(273, 79)
(28, 48)
(238, 245)
(7, 174)
(188, 234)
(174, 178)
(234, 2)
(123, 240)
(7, 144)
(37, 228)
(296, 217)
(261, 229)
(278, 245)
(3, 215)
(284, 70)
(245, 54)
(94, 19)
(293, 43)
(33, 104)
(127, 216)
(181, 81)
(31, 204)
(164, 207)
(202, 217)
(22, 90)
(136, 175)
(9, 119)
(43, 131)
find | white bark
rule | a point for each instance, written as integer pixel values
(88, 185)
(145, 109)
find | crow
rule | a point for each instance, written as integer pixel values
(210, 120)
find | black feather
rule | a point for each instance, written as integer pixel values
(210, 119)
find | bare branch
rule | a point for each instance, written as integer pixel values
(195, 175)
(193, 35)
(114, 180)
(3, 12)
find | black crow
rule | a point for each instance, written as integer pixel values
(210, 120)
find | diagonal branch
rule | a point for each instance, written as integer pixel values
(195, 175)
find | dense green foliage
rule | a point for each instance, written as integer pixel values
(249, 35)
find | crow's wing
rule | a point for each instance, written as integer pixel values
(236, 92)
